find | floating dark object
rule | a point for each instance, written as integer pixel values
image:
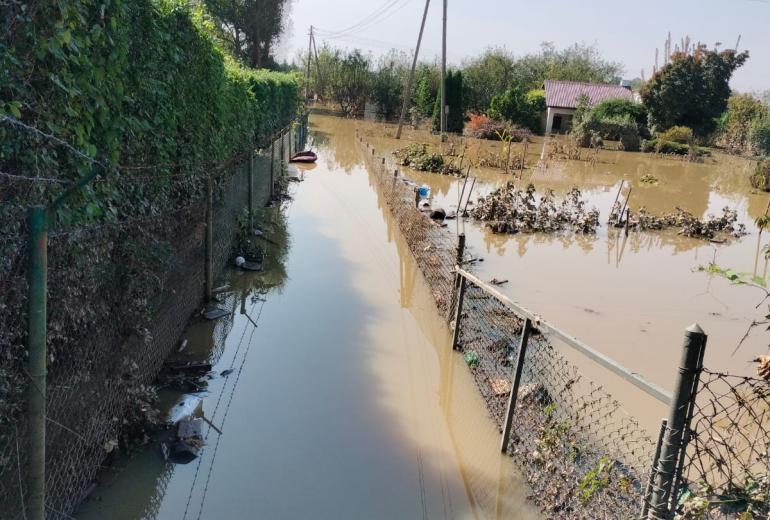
(438, 214)
(227, 372)
(215, 314)
(307, 157)
(495, 281)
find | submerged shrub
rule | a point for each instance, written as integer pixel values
(676, 134)
(483, 127)
(619, 128)
(761, 178)
(418, 157)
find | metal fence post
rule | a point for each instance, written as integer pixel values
(515, 382)
(36, 390)
(251, 190)
(272, 166)
(209, 240)
(283, 153)
(651, 479)
(673, 443)
(458, 311)
(460, 248)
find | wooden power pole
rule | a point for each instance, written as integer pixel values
(443, 73)
(410, 83)
(309, 57)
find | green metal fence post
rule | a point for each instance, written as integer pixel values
(251, 190)
(673, 444)
(458, 311)
(36, 391)
(515, 382)
(272, 167)
(209, 240)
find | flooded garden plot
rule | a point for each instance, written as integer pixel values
(630, 295)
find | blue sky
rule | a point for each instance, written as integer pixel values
(623, 31)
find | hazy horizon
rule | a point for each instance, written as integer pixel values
(628, 36)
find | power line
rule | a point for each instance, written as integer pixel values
(378, 16)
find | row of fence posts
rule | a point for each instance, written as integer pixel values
(661, 492)
(38, 220)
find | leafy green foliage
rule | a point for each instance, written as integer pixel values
(388, 84)
(594, 127)
(250, 27)
(619, 108)
(426, 90)
(348, 81)
(596, 479)
(761, 178)
(418, 156)
(519, 107)
(677, 134)
(692, 89)
(741, 126)
(487, 76)
(454, 101)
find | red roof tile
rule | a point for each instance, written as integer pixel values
(565, 94)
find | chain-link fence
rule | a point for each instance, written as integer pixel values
(583, 455)
(728, 457)
(119, 297)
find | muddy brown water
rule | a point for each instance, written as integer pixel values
(630, 298)
(345, 399)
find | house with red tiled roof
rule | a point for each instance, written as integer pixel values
(562, 98)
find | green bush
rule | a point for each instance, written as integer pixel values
(672, 148)
(619, 128)
(454, 101)
(519, 107)
(759, 135)
(137, 83)
(761, 178)
(623, 107)
(677, 134)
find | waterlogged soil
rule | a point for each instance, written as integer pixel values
(629, 297)
(334, 383)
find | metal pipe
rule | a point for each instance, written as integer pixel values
(37, 218)
(613, 366)
(515, 382)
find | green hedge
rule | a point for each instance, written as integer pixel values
(673, 148)
(621, 129)
(140, 82)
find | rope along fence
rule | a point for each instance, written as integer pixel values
(98, 379)
(583, 455)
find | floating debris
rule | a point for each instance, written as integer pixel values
(511, 210)
(648, 178)
(689, 225)
(418, 157)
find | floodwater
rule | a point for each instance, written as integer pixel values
(630, 298)
(345, 399)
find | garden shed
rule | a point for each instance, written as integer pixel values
(562, 98)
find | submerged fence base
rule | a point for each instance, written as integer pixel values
(134, 285)
(583, 455)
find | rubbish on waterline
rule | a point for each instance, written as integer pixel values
(251, 266)
(214, 314)
(438, 214)
(471, 358)
(495, 281)
(424, 205)
(424, 191)
(188, 442)
(186, 407)
(226, 373)
(239, 261)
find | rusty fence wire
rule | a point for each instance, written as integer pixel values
(103, 281)
(727, 463)
(583, 454)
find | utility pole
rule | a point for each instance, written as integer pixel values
(309, 57)
(410, 83)
(443, 73)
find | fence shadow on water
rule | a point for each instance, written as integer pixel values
(583, 454)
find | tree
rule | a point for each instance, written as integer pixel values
(348, 81)
(454, 102)
(426, 90)
(486, 76)
(250, 27)
(579, 62)
(388, 83)
(692, 89)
